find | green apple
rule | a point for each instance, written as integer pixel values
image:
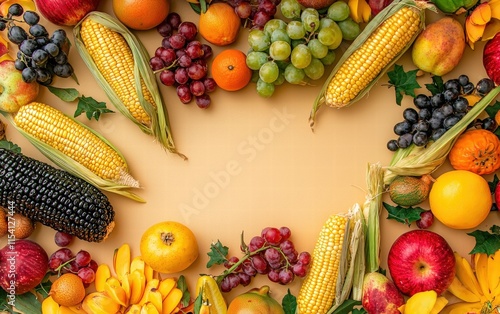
(14, 92)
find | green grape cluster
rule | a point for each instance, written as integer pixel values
(298, 50)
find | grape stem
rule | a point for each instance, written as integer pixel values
(174, 64)
(60, 267)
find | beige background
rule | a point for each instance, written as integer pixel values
(275, 171)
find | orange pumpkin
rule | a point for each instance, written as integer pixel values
(476, 150)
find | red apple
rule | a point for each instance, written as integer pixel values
(65, 12)
(497, 194)
(421, 260)
(380, 295)
(491, 59)
(23, 265)
(14, 92)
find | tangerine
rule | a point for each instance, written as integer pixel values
(230, 70)
(219, 24)
(141, 14)
(460, 199)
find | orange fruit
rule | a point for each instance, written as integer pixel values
(169, 247)
(141, 14)
(219, 25)
(460, 199)
(67, 290)
(230, 70)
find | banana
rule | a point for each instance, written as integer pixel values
(460, 291)
(65, 310)
(360, 10)
(155, 298)
(466, 275)
(421, 302)
(49, 306)
(100, 303)
(133, 309)
(165, 286)
(150, 273)
(494, 273)
(441, 302)
(101, 275)
(150, 285)
(137, 264)
(149, 308)
(481, 265)
(462, 307)
(115, 291)
(171, 301)
(125, 283)
(121, 261)
(77, 309)
(137, 285)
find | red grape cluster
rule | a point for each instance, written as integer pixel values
(254, 13)
(182, 61)
(65, 261)
(272, 254)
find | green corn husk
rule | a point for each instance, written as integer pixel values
(160, 125)
(78, 170)
(360, 40)
(417, 161)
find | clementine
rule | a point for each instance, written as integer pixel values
(219, 25)
(230, 70)
(141, 14)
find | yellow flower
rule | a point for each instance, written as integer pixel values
(483, 22)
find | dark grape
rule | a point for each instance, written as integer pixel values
(248, 269)
(156, 63)
(420, 138)
(299, 270)
(405, 140)
(210, 84)
(304, 258)
(426, 220)
(42, 41)
(268, 7)
(436, 122)
(3, 25)
(437, 133)
(489, 124)
(437, 100)
(225, 285)
(87, 275)
(287, 247)
(28, 74)
(174, 19)
(231, 261)
(64, 254)
(83, 258)
(43, 75)
(402, 127)
(184, 61)
(447, 109)
(450, 94)
(272, 256)
(194, 50)
(184, 94)
(207, 51)
(164, 29)
(52, 49)
(244, 279)
(54, 263)
(234, 280)
(28, 46)
(93, 265)
(203, 101)
(181, 76)
(177, 41)
(410, 115)
(484, 86)
(286, 276)
(256, 243)
(15, 9)
(260, 264)
(425, 113)
(38, 30)
(188, 30)
(165, 42)
(453, 84)
(274, 275)
(463, 80)
(392, 145)
(243, 9)
(61, 58)
(197, 88)
(260, 19)
(168, 55)
(59, 37)
(461, 104)
(286, 233)
(63, 70)
(167, 77)
(17, 34)
(196, 71)
(468, 88)
(450, 121)
(40, 56)
(19, 65)
(31, 17)
(292, 257)
(422, 126)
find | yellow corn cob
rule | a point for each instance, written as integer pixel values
(375, 54)
(113, 57)
(65, 134)
(317, 293)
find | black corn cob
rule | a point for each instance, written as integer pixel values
(54, 197)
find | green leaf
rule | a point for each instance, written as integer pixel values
(196, 7)
(493, 184)
(486, 242)
(289, 303)
(437, 85)
(28, 303)
(404, 83)
(91, 107)
(44, 287)
(493, 109)
(182, 285)
(65, 94)
(204, 6)
(359, 311)
(405, 215)
(347, 307)
(217, 254)
(197, 303)
(10, 146)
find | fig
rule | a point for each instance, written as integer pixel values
(380, 295)
(23, 264)
(439, 47)
(255, 301)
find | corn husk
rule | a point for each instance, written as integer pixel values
(417, 161)
(160, 125)
(360, 40)
(78, 170)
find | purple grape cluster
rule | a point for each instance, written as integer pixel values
(272, 253)
(181, 61)
(254, 13)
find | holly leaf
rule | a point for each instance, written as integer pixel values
(437, 85)
(493, 184)
(347, 307)
(405, 215)
(65, 94)
(182, 285)
(404, 83)
(486, 242)
(289, 303)
(91, 107)
(217, 254)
